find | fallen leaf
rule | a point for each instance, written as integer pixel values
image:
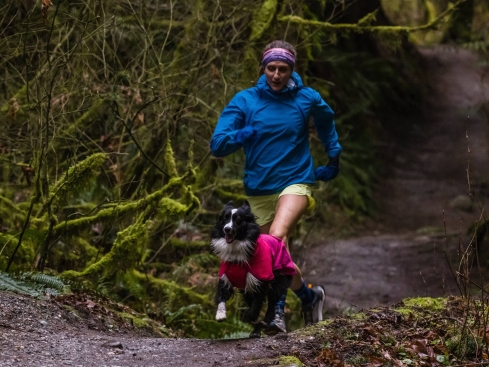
(330, 356)
(45, 4)
(375, 361)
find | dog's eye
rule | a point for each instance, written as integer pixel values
(238, 220)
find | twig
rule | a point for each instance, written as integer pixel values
(473, 283)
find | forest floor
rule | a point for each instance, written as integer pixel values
(423, 220)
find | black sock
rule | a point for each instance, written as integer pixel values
(305, 294)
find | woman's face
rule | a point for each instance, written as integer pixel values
(278, 74)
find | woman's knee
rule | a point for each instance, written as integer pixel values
(279, 233)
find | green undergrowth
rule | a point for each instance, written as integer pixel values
(33, 284)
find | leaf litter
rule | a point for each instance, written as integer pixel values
(415, 332)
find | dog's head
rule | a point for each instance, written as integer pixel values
(235, 233)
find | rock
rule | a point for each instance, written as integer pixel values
(113, 345)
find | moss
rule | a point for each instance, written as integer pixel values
(387, 29)
(8, 210)
(116, 211)
(76, 178)
(128, 249)
(137, 322)
(464, 344)
(26, 253)
(290, 361)
(71, 310)
(427, 303)
(171, 166)
(74, 253)
(226, 196)
(88, 117)
(358, 316)
(412, 307)
(369, 18)
(263, 18)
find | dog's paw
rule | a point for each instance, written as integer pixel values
(255, 334)
(221, 312)
(220, 316)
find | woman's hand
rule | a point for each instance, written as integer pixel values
(246, 134)
(328, 172)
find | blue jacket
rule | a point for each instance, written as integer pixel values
(280, 155)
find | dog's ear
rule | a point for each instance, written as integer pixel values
(250, 217)
(230, 204)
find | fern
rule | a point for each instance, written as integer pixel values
(12, 285)
(33, 284)
(46, 280)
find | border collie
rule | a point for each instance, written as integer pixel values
(258, 266)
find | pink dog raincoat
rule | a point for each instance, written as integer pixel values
(270, 255)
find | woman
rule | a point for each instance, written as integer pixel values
(270, 121)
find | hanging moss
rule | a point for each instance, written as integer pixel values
(25, 254)
(119, 210)
(76, 179)
(170, 209)
(171, 166)
(125, 253)
(226, 196)
(368, 19)
(358, 28)
(8, 205)
(72, 253)
(88, 117)
(11, 212)
(263, 18)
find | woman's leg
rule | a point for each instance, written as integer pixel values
(288, 212)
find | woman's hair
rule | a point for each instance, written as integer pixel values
(278, 44)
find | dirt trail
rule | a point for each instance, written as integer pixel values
(398, 258)
(420, 196)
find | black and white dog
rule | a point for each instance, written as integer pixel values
(259, 266)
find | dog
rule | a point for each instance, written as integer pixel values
(257, 265)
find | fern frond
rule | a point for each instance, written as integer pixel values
(12, 285)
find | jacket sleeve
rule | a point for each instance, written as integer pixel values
(324, 122)
(231, 120)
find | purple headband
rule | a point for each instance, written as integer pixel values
(278, 54)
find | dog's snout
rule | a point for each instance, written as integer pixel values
(228, 230)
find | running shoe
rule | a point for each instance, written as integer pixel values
(313, 313)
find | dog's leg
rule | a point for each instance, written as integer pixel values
(221, 311)
(275, 317)
(224, 292)
(278, 288)
(257, 328)
(255, 303)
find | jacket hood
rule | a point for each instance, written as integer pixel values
(294, 82)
